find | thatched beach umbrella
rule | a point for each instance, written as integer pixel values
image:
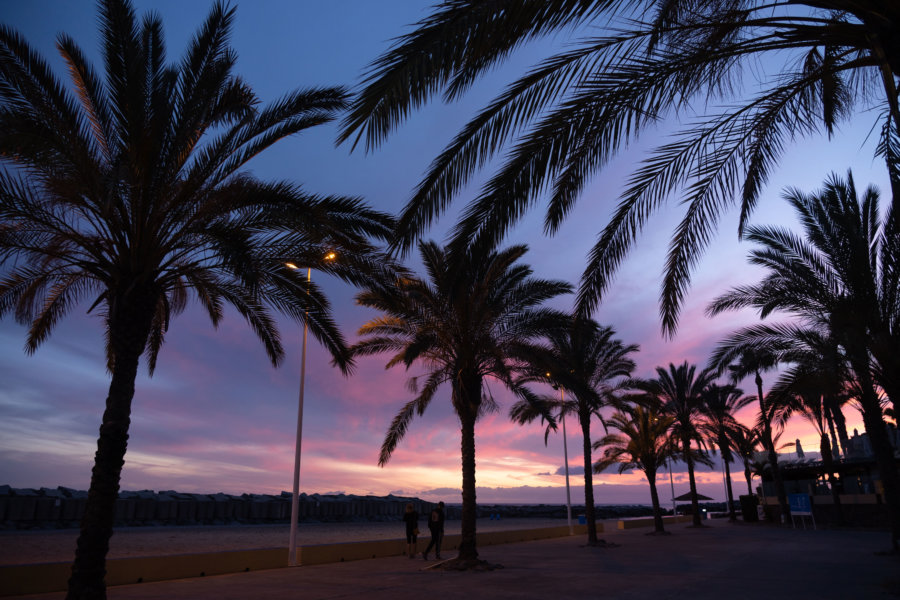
(687, 497)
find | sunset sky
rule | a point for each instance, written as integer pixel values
(217, 417)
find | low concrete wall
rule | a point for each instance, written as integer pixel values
(648, 521)
(52, 577)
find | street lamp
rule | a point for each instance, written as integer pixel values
(672, 483)
(668, 464)
(295, 497)
(562, 400)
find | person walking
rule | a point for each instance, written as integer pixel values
(411, 517)
(436, 526)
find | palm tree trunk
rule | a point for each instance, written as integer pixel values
(129, 328)
(748, 476)
(589, 513)
(695, 503)
(780, 491)
(881, 446)
(840, 422)
(654, 498)
(467, 548)
(769, 443)
(887, 464)
(834, 439)
(889, 374)
(468, 395)
(828, 462)
(726, 459)
(887, 50)
(731, 515)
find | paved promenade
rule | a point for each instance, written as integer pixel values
(720, 562)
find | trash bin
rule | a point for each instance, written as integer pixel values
(748, 508)
(582, 520)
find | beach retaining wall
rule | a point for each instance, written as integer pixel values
(648, 521)
(18, 580)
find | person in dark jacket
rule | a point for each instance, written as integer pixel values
(411, 517)
(436, 526)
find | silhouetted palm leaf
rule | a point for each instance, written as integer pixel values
(563, 120)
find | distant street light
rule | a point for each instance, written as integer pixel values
(672, 483)
(562, 400)
(668, 467)
(295, 497)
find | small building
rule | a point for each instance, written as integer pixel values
(856, 474)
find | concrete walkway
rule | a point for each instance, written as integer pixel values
(720, 562)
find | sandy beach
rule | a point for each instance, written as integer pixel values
(54, 545)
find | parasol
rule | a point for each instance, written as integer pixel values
(686, 497)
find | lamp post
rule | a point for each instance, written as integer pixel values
(295, 496)
(668, 465)
(562, 400)
(566, 458)
(672, 483)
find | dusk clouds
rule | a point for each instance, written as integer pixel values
(217, 416)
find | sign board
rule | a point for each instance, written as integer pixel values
(800, 504)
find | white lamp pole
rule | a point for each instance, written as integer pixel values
(295, 496)
(566, 458)
(562, 401)
(672, 483)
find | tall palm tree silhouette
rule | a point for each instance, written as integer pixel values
(720, 403)
(680, 393)
(643, 443)
(468, 321)
(588, 362)
(840, 277)
(129, 194)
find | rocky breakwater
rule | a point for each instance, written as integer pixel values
(49, 508)
(558, 511)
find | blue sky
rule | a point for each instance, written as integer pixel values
(217, 417)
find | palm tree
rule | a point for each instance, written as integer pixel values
(745, 441)
(842, 277)
(814, 353)
(642, 443)
(811, 404)
(117, 196)
(585, 360)
(818, 368)
(820, 364)
(680, 392)
(743, 358)
(566, 118)
(469, 321)
(720, 403)
(760, 467)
